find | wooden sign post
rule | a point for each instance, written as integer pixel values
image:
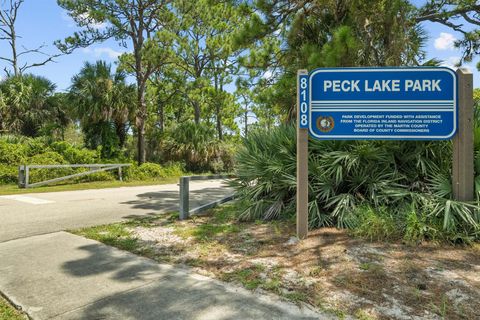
(385, 104)
(302, 164)
(463, 150)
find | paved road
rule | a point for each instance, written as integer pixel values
(52, 274)
(39, 213)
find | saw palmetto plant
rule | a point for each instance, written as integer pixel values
(380, 189)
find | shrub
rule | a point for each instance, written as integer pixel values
(419, 227)
(375, 224)
(34, 146)
(102, 136)
(266, 167)
(13, 139)
(75, 155)
(8, 174)
(174, 169)
(18, 150)
(98, 176)
(12, 154)
(152, 171)
(197, 146)
(386, 177)
(48, 158)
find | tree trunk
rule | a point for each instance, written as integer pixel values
(141, 117)
(218, 109)
(141, 142)
(13, 44)
(196, 107)
(219, 122)
(121, 131)
(161, 116)
(246, 121)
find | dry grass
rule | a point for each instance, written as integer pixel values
(329, 270)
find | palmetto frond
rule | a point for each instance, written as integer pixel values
(389, 177)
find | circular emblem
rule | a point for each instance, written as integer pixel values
(325, 124)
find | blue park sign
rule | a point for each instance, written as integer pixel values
(379, 103)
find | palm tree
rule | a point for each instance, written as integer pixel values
(195, 144)
(102, 101)
(27, 105)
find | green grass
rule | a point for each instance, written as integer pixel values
(295, 296)
(363, 315)
(257, 276)
(115, 235)
(14, 189)
(205, 232)
(208, 235)
(222, 222)
(7, 312)
(118, 234)
(250, 278)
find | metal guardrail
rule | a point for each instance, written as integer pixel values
(185, 211)
(24, 172)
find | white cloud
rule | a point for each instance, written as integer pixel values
(113, 54)
(451, 62)
(445, 41)
(98, 52)
(268, 75)
(84, 18)
(92, 23)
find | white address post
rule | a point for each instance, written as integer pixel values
(302, 170)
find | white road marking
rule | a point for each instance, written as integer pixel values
(26, 199)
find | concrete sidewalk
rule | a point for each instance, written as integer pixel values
(63, 276)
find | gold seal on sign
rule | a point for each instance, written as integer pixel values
(325, 124)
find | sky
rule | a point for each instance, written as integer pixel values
(43, 21)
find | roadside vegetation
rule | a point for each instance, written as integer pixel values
(210, 86)
(381, 190)
(8, 312)
(17, 150)
(183, 96)
(332, 270)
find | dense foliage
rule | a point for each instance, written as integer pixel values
(17, 150)
(102, 101)
(200, 69)
(30, 106)
(379, 188)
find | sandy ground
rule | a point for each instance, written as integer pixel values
(330, 270)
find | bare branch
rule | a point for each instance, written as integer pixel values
(6, 59)
(8, 19)
(37, 50)
(459, 18)
(39, 64)
(445, 15)
(471, 20)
